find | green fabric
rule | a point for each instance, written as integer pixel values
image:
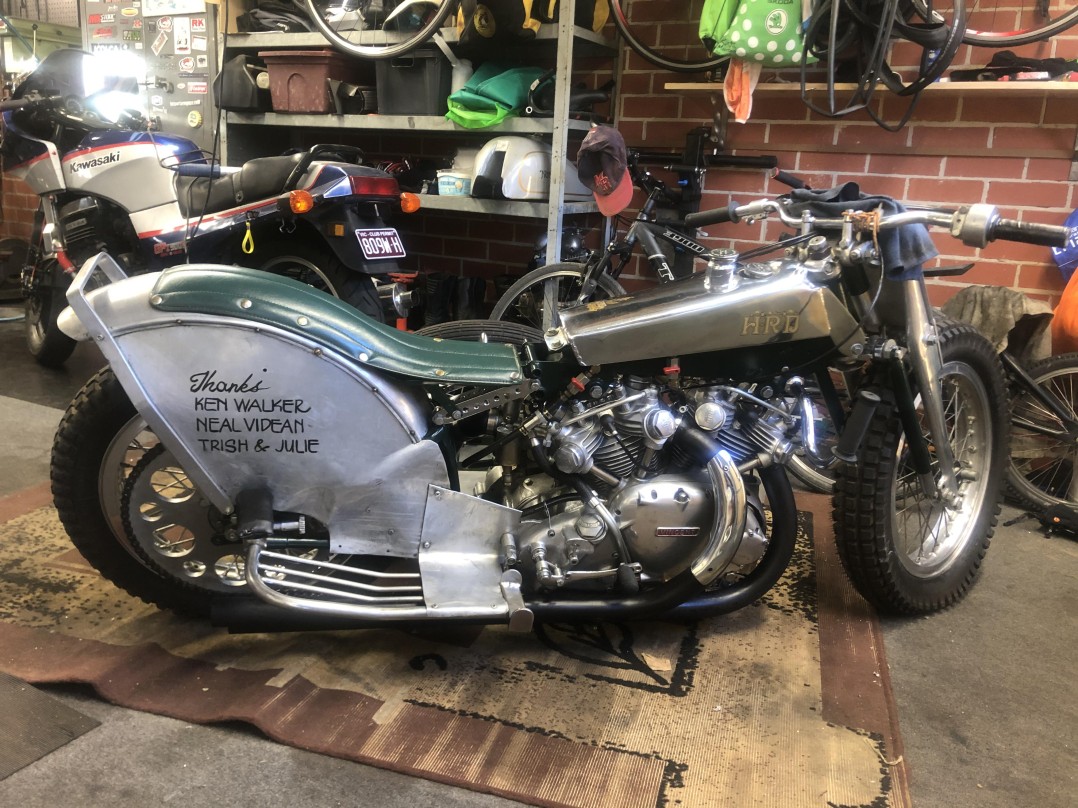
(491, 95)
(283, 302)
(715, 19)
(764, 31)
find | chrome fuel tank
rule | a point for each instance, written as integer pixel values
(696, 315)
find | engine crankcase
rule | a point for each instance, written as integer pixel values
(666, 521)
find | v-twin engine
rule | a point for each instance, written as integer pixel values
(661, 474)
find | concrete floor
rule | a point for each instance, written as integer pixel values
(984, 690)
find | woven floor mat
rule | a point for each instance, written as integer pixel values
(784, 703)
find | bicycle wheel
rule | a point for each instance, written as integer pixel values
(378, 30)
(1044, 453)
(537, 297)
(1007, 23)
(665, 36)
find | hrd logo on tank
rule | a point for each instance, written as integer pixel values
(94, 162)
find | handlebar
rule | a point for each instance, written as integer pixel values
(974, 225)
(716, 216)
(14, 103)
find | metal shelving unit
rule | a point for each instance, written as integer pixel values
(569, 40)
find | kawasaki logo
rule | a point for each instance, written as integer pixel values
(95, 162)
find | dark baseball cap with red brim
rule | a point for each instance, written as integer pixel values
(602, 166)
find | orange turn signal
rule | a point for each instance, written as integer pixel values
(300, 201)
(410, 203)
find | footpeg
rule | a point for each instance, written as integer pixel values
(521, 618)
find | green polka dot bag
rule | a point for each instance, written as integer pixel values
(764, 31)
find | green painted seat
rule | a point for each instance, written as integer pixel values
(302, 310)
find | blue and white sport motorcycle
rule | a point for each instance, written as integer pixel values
(153, 200)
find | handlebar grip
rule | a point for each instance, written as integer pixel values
(789, 179)
(14, 103)
(717, 216)
(1049, 235)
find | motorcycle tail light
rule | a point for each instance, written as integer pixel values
(300, 201)
(410, 203)
(374, 186)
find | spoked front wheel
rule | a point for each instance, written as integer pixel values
(908, 552)
(1044, 445)
(49, 346)
(378, 30)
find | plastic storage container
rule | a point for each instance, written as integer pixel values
(299, 79)
(454, 183)
(415, 84)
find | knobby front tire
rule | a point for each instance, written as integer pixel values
(904, 552)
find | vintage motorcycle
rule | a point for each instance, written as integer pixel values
(152, 200)
(298, 465)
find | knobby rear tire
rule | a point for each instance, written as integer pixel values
(100, 412)
(872, 494)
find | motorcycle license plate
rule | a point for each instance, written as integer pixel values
(381, 243)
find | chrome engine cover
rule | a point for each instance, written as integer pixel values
(665, 521)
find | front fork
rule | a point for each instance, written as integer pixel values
(44, 241)
(926, 361)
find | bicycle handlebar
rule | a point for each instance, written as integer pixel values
(716, 216)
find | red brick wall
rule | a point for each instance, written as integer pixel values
(1014, 152)
(19, 205)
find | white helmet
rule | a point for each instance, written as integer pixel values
(514, 167)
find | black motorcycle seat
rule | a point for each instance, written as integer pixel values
(294, 307)
(257, 179)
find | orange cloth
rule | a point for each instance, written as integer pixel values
(737, 87)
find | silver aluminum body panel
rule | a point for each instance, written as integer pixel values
(459, 565)
(460, 553)
(243, 406)
(694, 315)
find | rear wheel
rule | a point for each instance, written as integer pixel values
(322, 270)
(102, 446)
(1044, 449)
(48, 345)
(907, 552)
(537, 297)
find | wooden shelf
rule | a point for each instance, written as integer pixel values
(991, 88)
(502, 207)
